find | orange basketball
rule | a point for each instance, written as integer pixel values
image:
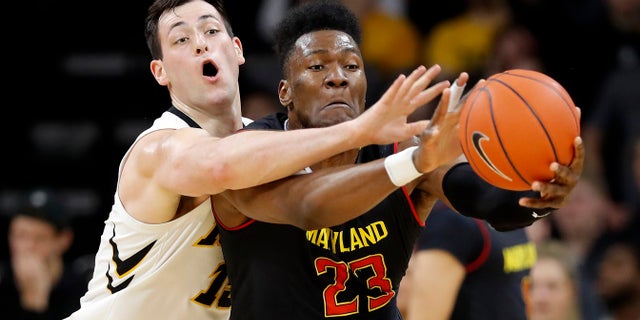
(513, 126)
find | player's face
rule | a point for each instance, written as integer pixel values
(325, 81)
(200, 63)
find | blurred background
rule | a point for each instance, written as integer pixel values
(80, 71)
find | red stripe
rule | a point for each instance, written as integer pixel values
(486, 247)
(241, 226)
(408, 197)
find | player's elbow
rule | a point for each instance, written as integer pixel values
(312, 214)
(219, 176)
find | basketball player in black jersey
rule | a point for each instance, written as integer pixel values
(299, 248)
(479, 272)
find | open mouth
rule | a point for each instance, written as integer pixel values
(209, 69)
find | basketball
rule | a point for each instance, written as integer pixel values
(514, 125)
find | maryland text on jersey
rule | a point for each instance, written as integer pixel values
(350, 239)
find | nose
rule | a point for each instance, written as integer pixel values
(336, 78)
(200, 44)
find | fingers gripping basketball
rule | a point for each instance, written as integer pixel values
(515, 125)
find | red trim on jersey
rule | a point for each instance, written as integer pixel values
(486, 247)
(406, 195)
(238, 227)
(412, 206)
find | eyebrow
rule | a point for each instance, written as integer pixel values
(201, 18)
(320, 51)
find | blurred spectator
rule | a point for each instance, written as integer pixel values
(464, 42)
(390, 40)
(540, 231)
(514, 47)
(438, 11)
(464, 269)
(582, 225)
(553, 284)
(37, 282)
(612, 128)
(610, 135)
(619, 280)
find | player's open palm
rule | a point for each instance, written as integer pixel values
(386, 120)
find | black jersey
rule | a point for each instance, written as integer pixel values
(496, 263)
(350, 271)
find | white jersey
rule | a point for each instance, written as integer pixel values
(171, 270)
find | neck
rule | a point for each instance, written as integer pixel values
(219, 121)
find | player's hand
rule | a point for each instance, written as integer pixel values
(386, 121)
(439, 143)
(554, 193)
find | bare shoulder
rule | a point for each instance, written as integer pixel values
(148, 151)
(139, 188)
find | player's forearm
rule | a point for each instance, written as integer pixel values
(333, 199)
(474, 197)
(320, 199)
(257, 157)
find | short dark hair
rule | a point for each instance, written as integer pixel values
(313, 16)
(158, 7)
(45, 206)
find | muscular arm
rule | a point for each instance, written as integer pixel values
(431, 285)
(251, 158)
(323, 198)
(166, 166)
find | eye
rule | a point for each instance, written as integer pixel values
(352, 67)
(212, 31)
(316, 67)
(181, 40)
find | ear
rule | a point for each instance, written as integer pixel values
(157, 69)
(284, 93)
(237, 45)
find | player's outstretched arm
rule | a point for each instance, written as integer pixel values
(250, 158)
